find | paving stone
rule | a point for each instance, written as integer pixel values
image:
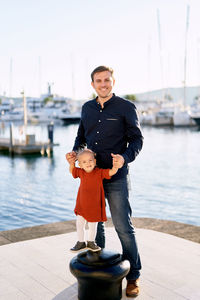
(39, 268)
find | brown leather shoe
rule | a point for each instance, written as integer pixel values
(133, 289)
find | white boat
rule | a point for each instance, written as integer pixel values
(40, 116)
(182, 118)
(67, 118)
(172, 115)
(161, 115)
(13, 115)
(69, 114)
(46, 114)
(147, 118)
(5, 107)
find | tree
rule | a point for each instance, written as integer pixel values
(47, 99)
(168, 97)
(197, 98)
(131, 97)
(92, 96)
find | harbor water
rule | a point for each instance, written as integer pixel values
(165, 179)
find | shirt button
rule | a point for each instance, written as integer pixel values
(100, 110)
(97, 131)
(96, 143)
(99, 120)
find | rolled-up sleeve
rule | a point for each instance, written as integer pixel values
(80, 141)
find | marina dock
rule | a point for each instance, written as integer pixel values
(28, 144)
(21, 147)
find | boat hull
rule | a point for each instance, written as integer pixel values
(197, 120)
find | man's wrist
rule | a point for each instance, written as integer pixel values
(124, 157)
(115, 168)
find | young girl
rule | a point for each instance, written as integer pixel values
(90, 202)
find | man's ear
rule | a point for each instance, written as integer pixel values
(92, 84)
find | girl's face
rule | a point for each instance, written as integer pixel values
(87, 162)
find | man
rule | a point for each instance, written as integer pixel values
(109, 124)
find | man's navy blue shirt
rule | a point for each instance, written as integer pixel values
(114, 129)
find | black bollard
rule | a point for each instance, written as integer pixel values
(99, 274)
(50, 132)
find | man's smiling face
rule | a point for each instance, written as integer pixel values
(103, 83)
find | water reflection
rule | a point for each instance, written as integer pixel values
(51, 165)
(165, 179)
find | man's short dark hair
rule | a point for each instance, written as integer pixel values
(101, 69)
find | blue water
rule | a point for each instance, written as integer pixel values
(165, 179)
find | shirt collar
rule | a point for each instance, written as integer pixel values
(107, 102)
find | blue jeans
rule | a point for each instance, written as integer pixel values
(118, 199)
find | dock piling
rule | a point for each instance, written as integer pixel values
(11, 138)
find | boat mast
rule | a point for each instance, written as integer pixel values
(161, 54)
(198, 66)
(72, 76)
(149, 68)
(25, 111)
(10, 79)
(39, 76)
(185, 57)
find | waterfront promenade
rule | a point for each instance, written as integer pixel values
(38, 268)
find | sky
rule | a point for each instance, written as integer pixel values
(61, 41)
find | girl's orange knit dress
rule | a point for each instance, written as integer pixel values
(90, 202)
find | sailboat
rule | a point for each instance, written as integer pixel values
(173, 114)
(182, 115)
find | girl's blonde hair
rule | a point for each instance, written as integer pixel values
(85, 151)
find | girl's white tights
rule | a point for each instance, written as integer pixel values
(80, 227)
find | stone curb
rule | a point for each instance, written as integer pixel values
(186, 231)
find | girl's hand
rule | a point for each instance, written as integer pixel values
(71, 157)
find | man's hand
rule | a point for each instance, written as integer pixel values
(118, 160)
(71, 157)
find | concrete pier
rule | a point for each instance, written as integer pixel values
(186, 231)
(39, 268)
